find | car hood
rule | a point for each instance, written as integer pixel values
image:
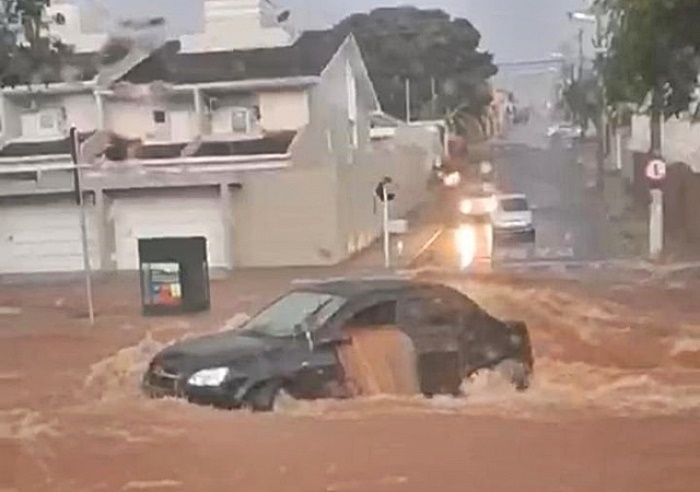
(221, 349)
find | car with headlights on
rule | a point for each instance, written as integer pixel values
(477, 202)
(294, 344)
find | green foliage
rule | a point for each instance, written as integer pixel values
(405, 42)
(653, 43)
(28, 53)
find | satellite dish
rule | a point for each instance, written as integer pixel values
(284, 16)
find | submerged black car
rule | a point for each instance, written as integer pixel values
(292, 344)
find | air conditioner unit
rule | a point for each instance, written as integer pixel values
(236, 120)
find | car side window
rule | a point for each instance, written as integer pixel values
(429, 310)
(382, 313)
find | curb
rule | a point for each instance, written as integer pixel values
(426, 246)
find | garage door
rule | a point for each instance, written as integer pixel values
(183, 214)
(44, 237)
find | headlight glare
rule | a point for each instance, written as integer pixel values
(209, 377)
(465, 206)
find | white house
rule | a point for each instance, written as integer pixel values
(216, 25)
(266, 152)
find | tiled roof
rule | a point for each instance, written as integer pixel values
(308, 56)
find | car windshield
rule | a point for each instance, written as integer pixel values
(514, 205)
(294, 312)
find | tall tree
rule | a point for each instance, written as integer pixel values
(437, 54)
(28, 52)
(654, 49)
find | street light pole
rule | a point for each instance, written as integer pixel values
(601, 123)
(87, 270)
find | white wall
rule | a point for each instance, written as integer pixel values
(680, 139)
(80, 110)
(134, 119)
(11, 124)
(283, 110)
(228, 24)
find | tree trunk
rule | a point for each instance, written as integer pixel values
(656, 122)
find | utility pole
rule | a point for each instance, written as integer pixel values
(77, 160)
(408, 100)
(601, 123)
(656, 206)
(580, 54)
(385, 195)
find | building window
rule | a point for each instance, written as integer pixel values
(159, 116)
(240, 118)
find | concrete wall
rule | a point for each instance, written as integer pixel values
(680, 139)
(134, 118)
(80, 110)
(283, 110)
(283, 218)
(11, 124)
(323, 209)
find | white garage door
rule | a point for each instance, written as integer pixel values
(44, 237)
(182, 214)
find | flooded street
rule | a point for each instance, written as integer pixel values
(614, 403)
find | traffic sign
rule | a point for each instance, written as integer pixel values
(656, 170)
(379, 191)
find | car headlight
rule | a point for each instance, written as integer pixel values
(452, 180)
(209, 377)
(465, 206)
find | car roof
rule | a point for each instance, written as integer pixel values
(350, 288)
(509, 196)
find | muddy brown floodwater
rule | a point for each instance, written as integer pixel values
(614, 406)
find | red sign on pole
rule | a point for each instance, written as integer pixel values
(656, 170)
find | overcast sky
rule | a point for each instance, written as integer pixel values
(511, 29)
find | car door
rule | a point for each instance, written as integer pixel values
(429, 317)
(317, 367)
(483, 339)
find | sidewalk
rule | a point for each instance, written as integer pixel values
(423, 231)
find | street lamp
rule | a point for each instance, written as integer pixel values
(600, 51)
(583, 17)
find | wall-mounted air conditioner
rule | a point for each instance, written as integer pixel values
(237, 120)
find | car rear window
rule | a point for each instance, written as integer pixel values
(514, 204)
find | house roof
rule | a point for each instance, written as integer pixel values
(308, 56)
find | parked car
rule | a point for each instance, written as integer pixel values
(294, 343)
(512, 215)
(565, 133)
